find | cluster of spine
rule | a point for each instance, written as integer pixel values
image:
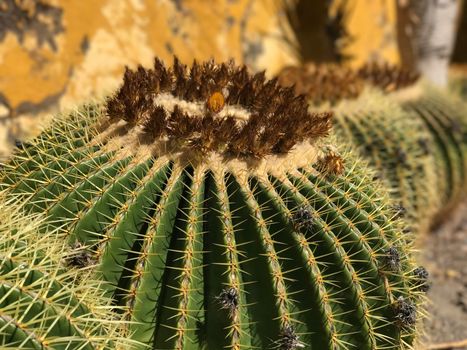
(207, 255)
(400, 148)
(42, 306)
(333, 83)
(445, 117)
(214, 107)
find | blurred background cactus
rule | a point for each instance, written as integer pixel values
(398, 145)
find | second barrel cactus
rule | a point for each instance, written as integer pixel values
(400, 148)
(414, 135)
(445, 116)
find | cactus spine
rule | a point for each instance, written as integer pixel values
(398, 146)
(220, 220)
(446, 118)
(42, 306)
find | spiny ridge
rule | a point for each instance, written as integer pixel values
(215, 107)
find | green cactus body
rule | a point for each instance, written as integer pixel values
(397, 145)
(396, 142)
(41, 305)
(446, 119)
(239, 242)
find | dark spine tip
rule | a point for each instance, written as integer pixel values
(288, 339)
(405, 313)
(401, 156)
(228, 299)
(399, 210)
(19, 144)
(79, 256)
(302, 218)
(391, 259)
(422, 279)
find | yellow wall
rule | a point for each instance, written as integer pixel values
(372, 28)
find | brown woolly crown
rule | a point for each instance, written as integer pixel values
(215, 107)
(387, 77)
(322, 83)
(332, 83)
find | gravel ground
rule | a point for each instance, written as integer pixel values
(444, 254)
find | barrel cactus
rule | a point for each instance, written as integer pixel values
(413, 135)
(220, 218)
(42, 304)
(399, 147)
(445, 116)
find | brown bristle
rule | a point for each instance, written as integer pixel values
(387, 77)
(216, 107)
(330, 164)
(322, 83)
(332, 83)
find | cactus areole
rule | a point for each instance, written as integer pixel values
(205, 197)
